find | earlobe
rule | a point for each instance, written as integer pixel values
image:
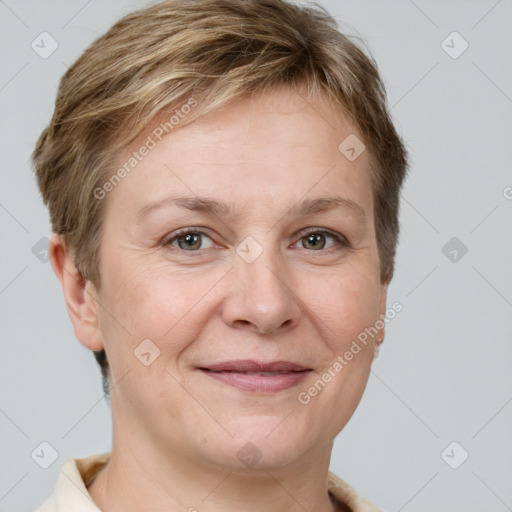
(79, 295)
(382, 311)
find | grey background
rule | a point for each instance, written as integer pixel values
(443, 374)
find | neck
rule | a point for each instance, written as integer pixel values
(148, 479)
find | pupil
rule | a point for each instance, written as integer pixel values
(315, 240)
(190, 241)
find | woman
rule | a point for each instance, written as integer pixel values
(223, 183)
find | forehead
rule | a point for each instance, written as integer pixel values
(280, 144)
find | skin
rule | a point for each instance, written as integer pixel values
(177, 431)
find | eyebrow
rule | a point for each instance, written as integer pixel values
(213, 207)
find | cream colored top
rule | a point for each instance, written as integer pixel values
(76, 475)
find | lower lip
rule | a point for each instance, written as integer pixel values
(255, 382)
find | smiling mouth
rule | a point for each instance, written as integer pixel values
(257, 376)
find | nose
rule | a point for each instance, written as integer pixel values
(260, 296)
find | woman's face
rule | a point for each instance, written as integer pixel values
(220, 340)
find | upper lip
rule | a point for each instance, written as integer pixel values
(255, 366)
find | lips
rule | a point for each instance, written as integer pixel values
(255, 366)
(257, 376)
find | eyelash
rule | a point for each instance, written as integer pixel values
(340, 239)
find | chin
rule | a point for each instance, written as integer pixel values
(261, 442)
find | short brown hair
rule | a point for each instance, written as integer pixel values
(215, 51)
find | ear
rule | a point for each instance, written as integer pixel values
(80, 295)
(382, 310)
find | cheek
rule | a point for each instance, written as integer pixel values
(162, 308)
(165, 307)
(346, 307)
(348, 310)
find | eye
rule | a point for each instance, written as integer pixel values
(318, 239)
(190, 240)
